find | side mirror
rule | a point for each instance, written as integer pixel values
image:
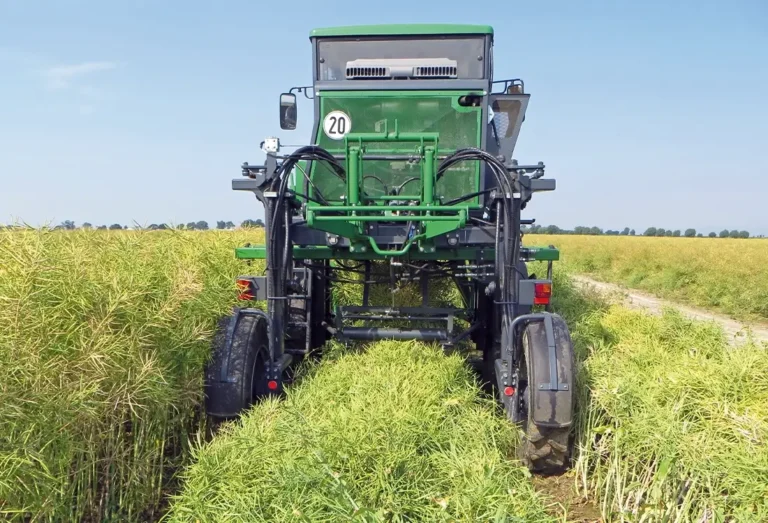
(288, 111)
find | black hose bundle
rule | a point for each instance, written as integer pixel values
(278, 248)
(507, 223)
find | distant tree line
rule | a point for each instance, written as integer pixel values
(201, 225)
(650, 231)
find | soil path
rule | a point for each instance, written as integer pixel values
(736, 331)
(561, 492)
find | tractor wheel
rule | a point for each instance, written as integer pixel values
(543, 450)
(245, 357)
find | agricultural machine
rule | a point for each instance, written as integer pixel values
(409, 168)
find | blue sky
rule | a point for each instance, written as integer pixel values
(648, 113)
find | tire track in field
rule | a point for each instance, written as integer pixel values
(735, 330)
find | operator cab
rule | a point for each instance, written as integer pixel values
(419, 78)
(402, 53)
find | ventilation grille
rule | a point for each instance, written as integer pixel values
(401, 68)
(367, 72)
(439, 71)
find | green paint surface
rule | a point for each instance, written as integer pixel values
(424, 112)
(401, 29)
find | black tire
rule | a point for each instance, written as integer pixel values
(246, 368)
(543, 450)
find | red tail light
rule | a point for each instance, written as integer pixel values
(272, 385)
(542, 293)
(509, 391)
(245, 288)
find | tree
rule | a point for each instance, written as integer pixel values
(699, 235)
(221, 224)
(724, 233)
(67, 224)
(712, 235)
(102, 227)
(650, 231)
(625, 232)
(743, 234)
(552, 229)
(690, 233)
(595, 231)
(115, 226)
(661, 232)
(252, 223)
(734, 234)
(191, 226)
(632, 232)
(87, 225)
(202, 225)
(676, 234)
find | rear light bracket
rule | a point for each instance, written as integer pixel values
(528, 294)
(252, 288)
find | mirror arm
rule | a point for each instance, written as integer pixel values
(305, 91)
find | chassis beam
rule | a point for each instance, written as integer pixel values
(460, 253)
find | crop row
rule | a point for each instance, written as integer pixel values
(102, 342)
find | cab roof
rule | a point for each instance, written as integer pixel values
(401, 29)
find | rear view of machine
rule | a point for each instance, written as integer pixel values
(410, 167)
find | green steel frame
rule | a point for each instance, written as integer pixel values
(401, 29)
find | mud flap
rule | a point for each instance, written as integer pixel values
(551, 369)
(240, 340)
(545, 343)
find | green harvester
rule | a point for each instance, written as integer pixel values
(409, 177)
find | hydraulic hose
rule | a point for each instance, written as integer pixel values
(278, 214)
(507, 222)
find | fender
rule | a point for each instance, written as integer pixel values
(549, 354)
(239, 349)
(545, 343)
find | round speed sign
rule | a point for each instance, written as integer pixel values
(336, 125)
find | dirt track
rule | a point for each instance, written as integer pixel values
(736, 331)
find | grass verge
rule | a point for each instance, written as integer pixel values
(724, 275)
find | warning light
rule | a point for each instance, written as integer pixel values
(542, 293)
(509, 391)
(272, 385)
